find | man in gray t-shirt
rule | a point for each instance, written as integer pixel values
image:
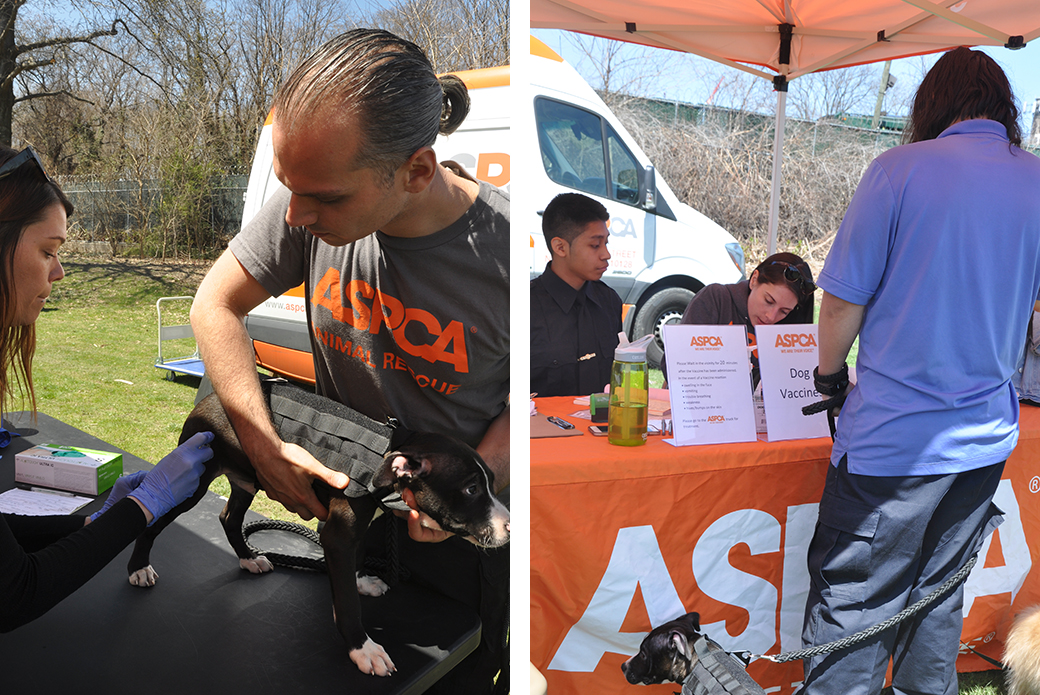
(412, 328)
(405, 265)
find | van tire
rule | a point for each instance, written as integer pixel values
(664, 307)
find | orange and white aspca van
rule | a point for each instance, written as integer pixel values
(278, 327)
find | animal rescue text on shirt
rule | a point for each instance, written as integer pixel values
(367, 309)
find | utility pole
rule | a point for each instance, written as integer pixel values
(886, 82)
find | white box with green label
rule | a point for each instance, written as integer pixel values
(71, 468)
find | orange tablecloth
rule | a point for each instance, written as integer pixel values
(623, 539)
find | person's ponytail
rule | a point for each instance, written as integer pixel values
(456, 103)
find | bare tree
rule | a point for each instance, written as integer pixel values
(18, 57)
(273, 37)
(619, 70)
(832, 92)
(456, 34)
(733, 89)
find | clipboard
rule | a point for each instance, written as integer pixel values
(542, 428)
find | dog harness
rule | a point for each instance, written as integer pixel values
(339, 437)
(717, 672)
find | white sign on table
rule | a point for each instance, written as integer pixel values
(787, 355)
(709, 384)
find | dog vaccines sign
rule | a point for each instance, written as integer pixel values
(786, 358)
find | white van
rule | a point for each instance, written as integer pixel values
(278, 327)
(662, 251)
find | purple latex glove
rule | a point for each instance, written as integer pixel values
(176, 477)
(123, 487)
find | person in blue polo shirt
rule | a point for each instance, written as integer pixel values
(936, 267)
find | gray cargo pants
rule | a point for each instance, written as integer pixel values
(881, 544)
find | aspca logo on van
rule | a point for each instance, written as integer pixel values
(492, 167)
(706, 341)
(795, 340)
(716, 418)
(367, 309)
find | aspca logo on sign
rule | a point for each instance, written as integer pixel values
(716, 418)
(795, 340)
(706, 341)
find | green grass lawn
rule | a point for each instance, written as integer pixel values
(97, 342)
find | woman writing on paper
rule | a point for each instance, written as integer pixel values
(43, 559)
(780, 290)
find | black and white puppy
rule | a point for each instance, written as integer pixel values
(666, 654)
(449, 480)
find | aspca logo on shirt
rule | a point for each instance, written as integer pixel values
(795, 340)
(368, 309)
(706, 341)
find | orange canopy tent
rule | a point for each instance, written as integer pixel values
(781, 40)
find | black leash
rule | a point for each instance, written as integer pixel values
(864, 635)
(280, 559)
(388, 569)
(835, 388)
(984, 657)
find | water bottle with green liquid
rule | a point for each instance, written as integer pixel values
(629, 394)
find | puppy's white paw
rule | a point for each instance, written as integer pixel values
(371, 586)
(145, 576)
(257, 565)
(372, 659)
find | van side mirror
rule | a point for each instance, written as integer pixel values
(648, 190)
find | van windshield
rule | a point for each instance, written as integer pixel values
(573, 155)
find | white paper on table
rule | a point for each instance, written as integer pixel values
(709, 384)
(787, 356)
(33, 503)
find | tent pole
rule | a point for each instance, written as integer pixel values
(786, 32)
(778, 154)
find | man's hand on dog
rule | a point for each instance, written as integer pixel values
(286, 478)
(421, 528)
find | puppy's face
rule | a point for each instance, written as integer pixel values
(665, 654)
(453, 485)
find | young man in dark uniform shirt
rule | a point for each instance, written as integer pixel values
(575, 317)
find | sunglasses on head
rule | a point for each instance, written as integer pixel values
(24, 157)
(797, 277)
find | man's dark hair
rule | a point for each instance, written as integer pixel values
(387, 83)
(963, 84)
(567, 214)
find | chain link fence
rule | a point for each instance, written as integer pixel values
(136, 217)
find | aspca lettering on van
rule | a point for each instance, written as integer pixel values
(795, 340)
(368, 309)
(706, 341)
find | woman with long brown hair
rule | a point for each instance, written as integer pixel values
(44, 559)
